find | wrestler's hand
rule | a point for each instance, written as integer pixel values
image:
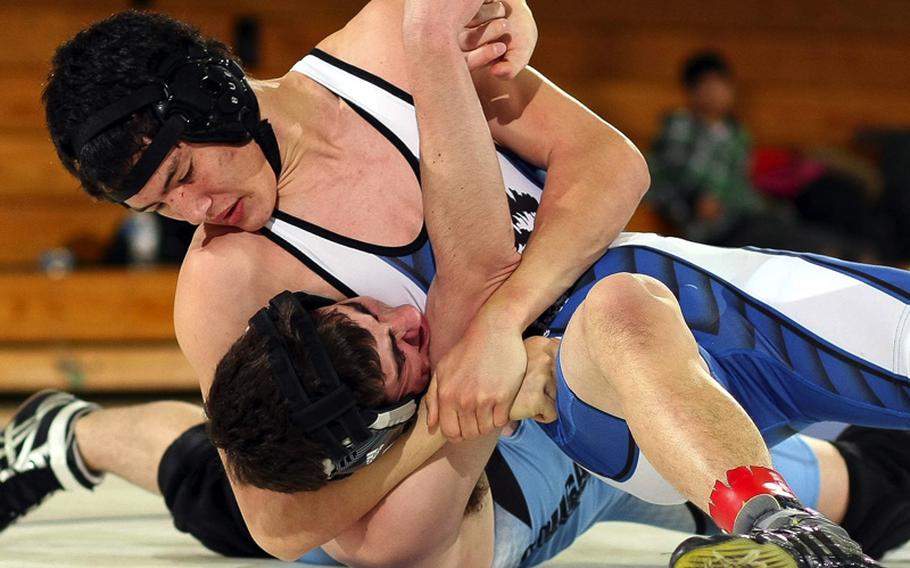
(537, 396)
(500, 34)
(428, 21)
(503, 35)
(475, 383)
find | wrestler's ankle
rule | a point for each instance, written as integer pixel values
(748, 495)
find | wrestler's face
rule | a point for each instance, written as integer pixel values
(402, 338)
(219, 184)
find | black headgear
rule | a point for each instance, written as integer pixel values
(198, 97)
(352, 436)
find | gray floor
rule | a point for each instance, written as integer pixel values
(122, 526)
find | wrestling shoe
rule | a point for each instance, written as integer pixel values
(878, 514)
(38, 453)
(789, 538)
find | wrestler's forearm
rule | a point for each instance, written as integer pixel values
(465, 205)
(289, 525)
(593, 187)
(467, 218)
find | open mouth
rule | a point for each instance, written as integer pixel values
(231, 215)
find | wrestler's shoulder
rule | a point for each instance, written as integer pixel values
(372, 41)
(223, 280)
(215, 243)
(220, 255)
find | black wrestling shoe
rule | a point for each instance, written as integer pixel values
(38, 454)
(878, 514)
(789, 538)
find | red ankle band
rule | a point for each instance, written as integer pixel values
(744, 483)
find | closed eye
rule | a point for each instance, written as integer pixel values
(396, 353)
(188, 176)
(399, 356)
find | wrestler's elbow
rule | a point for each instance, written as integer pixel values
(631, 169)
(640, 177)
(286, 546)
(615, 159)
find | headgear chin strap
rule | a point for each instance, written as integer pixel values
(352, 436)
(197, 97)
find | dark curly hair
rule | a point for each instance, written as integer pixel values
(99, 66)
(249, 417)
(701, 64)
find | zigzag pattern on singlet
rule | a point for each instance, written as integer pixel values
(725, 320)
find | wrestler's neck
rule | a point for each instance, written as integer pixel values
(305, 119)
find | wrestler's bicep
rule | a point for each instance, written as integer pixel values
(534, 118)
(423, 521)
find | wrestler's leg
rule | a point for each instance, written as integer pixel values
(129, 442)
(163, 448)
(877, 514)
(57, 441)
(627, 352)
(834, 480)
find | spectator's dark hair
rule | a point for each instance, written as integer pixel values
(99, 66)
(704, 63)
(249, 417)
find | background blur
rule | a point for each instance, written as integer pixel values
(85, 302)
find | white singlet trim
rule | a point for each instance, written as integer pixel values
(363, 272)
(646, 484)
(902, 348)
(397, 115)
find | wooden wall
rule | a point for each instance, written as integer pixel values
(109, 330)
(810, 72)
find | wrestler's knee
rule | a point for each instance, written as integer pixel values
(627, 310)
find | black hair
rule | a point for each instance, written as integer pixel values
(703, 63)
(249, 417)
(99, 66)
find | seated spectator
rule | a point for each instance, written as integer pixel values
(700, 173)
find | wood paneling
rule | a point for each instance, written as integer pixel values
(837, 17)
(646, 220)
(154, 366)
(88, 306)
(29, 227)
(781, 116)
(31, 168)
(37, 28)
(760, 59)
(809, 73)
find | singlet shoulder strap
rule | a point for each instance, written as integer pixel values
(350, 270)
(389, 108)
